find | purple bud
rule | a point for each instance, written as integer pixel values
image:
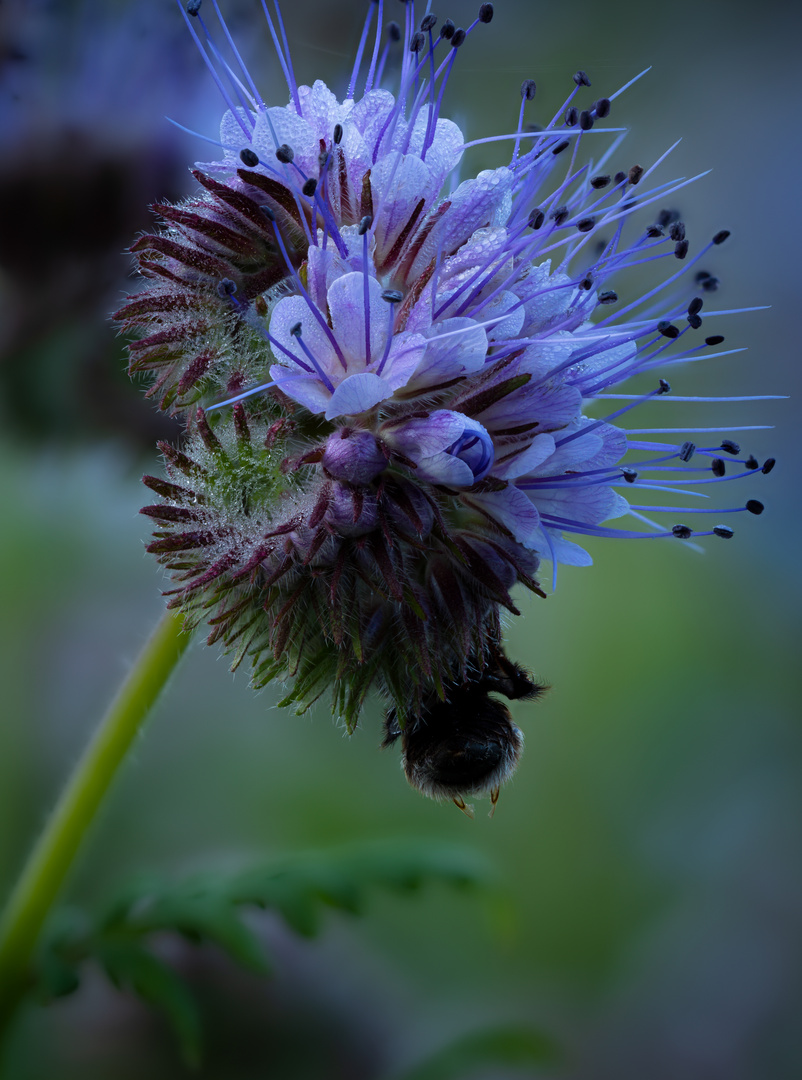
(353, 456)
(352, 512)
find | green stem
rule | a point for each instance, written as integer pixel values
(53, 855)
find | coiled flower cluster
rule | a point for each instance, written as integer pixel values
(397, 387)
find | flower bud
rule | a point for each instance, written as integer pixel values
(353, 456)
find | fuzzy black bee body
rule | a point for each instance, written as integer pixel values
(466, 744)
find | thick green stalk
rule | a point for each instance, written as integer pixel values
(55, 851)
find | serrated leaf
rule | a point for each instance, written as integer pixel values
(128, 964)
(199, 917)
(57, 977)
(300, 886)
(506, 1046)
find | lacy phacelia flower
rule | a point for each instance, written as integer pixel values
(386, 380)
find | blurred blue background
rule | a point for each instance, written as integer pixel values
(648, 852)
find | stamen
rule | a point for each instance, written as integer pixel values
(376, 41)
(268, 212)
(364, 227)
(212, 70)
(359, 53)
(296, 333)
(393, 36)
(663, 388)
(392, 297)
(284, 60)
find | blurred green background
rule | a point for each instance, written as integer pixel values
(647, 914)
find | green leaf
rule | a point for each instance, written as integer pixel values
(57, 977)
(128, 963)
(201, 916)
(503, 1046)
(208, 908)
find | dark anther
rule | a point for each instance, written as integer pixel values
(703, 275)
(447, 30)
(559, 215)
(599, 181)
(768, 465)
(754, 506)
(718, 467)
(720, 237)
(536, 219)
(682, 532)
(586, 224)
(619, 177)
(668, 329)
(686, 451)
(695, 305)
(681, 249)
(664, 386)
(528, 89)
(752, 462)
(602, 107)
(694, 321)
(295, 331)
(337, 134)
(393, 31)
(710, 283)
(458, 38)
(428, 22)
(635, 173)
(581, 78)
(730, 447)
(629, 475)
(226, 287)
(417, 43)
(193, 7)
(665, 217)
(571, 116)
(724, 531)
(714, 339)
(323, 159)
(365, 224)
(310, 187)
(247, 157)
(392, 296)
(586, 282)
(486, 13)
(586, 120)
(268, 211)
(558, 149)
(608, 297)
(654, 231)
(677, 230)
(285, 154)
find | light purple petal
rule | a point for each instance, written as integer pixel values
(540, 449)
(357, 394)
(307, 391)
(455, 347)
(346, 299)
(487, 200)
(287, 314)
(512, 509)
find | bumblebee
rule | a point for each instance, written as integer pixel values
(466, 744)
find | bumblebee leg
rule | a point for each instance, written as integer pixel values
(466, 808)
(494, 794)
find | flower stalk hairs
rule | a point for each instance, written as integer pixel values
(401, 391)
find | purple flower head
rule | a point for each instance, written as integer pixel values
(425, 375)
